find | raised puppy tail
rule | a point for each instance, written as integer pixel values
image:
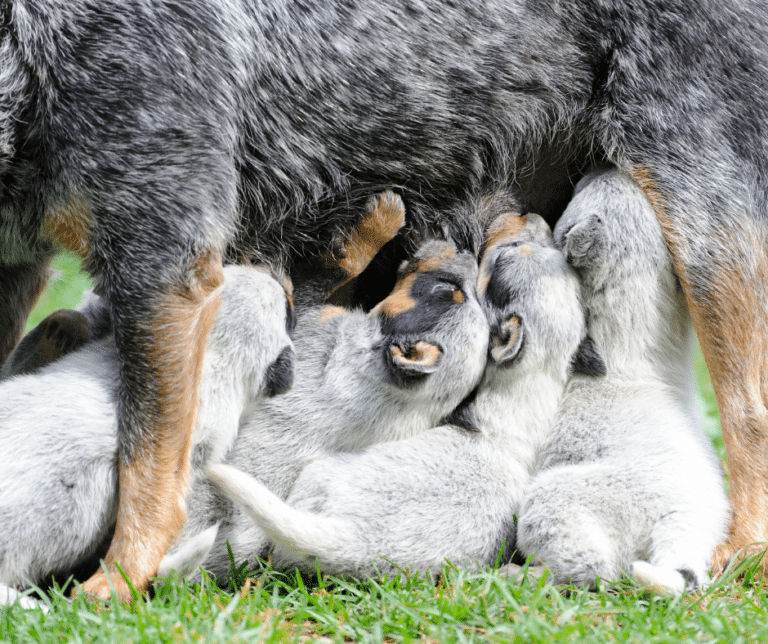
(299, 536)
(662, 581)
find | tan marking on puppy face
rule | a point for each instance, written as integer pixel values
(68, 226)
(483, 279)
(385, 218)
(399, 300)
(153, 485)
(458, 296)
(503, 229)
(330, 312)
(435, 262)
(525, 250)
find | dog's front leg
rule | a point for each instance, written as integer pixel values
(20, 286)
(723, 266)
(161, 342)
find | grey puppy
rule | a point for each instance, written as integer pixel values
(362, 379)
(629, 482)
(58, 432)
(449, 493)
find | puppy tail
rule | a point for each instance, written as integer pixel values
(190, 556)
(665, 582)
(303, 536)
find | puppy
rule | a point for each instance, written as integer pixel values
(629, 482)
(58, 441)
(362, 379)
(451, 492)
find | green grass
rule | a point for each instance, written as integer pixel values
(485, 607)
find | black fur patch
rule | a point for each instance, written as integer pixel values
(691, 580)
(498, 293)
(588, 360)
(433, 293)
(279, 378)
(464, 415)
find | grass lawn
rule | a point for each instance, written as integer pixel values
(485, 607)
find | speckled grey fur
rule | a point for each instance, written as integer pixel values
(343, 401)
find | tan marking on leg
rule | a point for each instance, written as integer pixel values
(153, 486)
(730, 324)
(385, 218)
(68, 225)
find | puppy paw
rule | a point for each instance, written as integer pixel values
(384, 218)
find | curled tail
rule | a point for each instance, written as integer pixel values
(300, 537)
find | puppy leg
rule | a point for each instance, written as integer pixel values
(384, 217)
(162, 347)
(723, 267)
(20, 286)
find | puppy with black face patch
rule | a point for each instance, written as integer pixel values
(362, 379)
(629, 482)
(451, 492)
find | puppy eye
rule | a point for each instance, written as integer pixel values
(444, 287)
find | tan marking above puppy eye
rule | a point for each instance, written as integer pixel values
(458, 296)
(330, 312)
(525, 250)
(399, 300)
(504, 227)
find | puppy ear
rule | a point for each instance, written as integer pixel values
(507, 341)
(414, 359)
(583, 241)
(587, 359)
(464, 415)
(279, 376)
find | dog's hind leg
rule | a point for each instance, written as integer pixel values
(20, 286)
(722, 264)
(161, 341)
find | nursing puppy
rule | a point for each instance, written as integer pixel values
(362, 379)
(451, 492)
(629, 481)
(58, 432)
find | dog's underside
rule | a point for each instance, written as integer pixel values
(155, 138)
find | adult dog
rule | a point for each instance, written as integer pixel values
(153, 138)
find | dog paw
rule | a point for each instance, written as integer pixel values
(728, 552)
(100, 586)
